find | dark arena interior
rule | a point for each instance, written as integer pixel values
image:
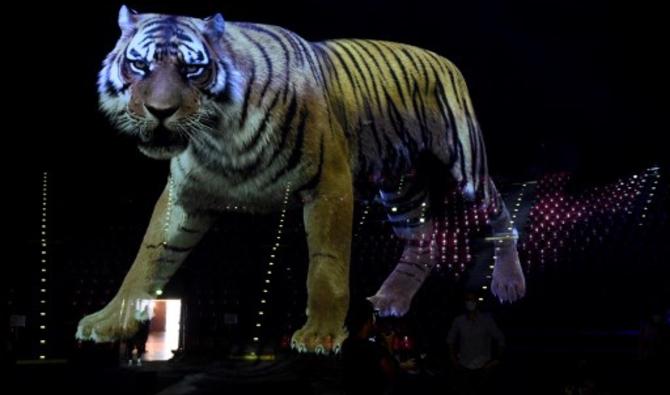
(568, 102)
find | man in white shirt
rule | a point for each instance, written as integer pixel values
(470, 341)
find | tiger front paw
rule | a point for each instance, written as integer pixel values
(319, 338)
(120, 319)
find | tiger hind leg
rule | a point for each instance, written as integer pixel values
(407, 208)
(508, 283)
(475, 185)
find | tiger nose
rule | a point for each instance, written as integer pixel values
(162, 113)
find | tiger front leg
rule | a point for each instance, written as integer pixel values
(171, 234)
(328, 223)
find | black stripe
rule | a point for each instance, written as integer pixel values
(413, 264)
(170, 248)
(206, 159)
(399, 125)
(176, 249)
(314, 180)
(475, 157)
(400, 64)
(417, 107)
(426, 135)
(297, 50)
(268, 63)
(247, 94)
(307, 50)
(274, 36)
(160, 28)
(321, 74)
(411, 275)
(190, 48)
(421, 71)
(207, 145)
(391, 71)
(375, 132)
(184, 37)
(324, 55)
(226, 93)
(455, 145)
(110, 88)
(154, 21)
(251, 167)
(370, 114)
(373, 76)
(440, 62)
(426, 75)
(364, 80)
(323, 255)
(188, 230)
(262, 126)
(134, 53)
(286, 126)
(390, 151)
(354, 83)
(457, 92)
(297, 151)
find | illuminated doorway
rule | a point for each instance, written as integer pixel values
(164, 330)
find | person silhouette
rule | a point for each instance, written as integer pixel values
(368, 367)
(470, 340)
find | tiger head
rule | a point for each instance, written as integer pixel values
(166, 80)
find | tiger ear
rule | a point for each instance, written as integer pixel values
(127, 19)
(215, 25)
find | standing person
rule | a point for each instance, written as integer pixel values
(470, 341)
(136, 345)
(654, 351)
(368, 367)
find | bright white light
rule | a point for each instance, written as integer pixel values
(160, 344)
(172, 318)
